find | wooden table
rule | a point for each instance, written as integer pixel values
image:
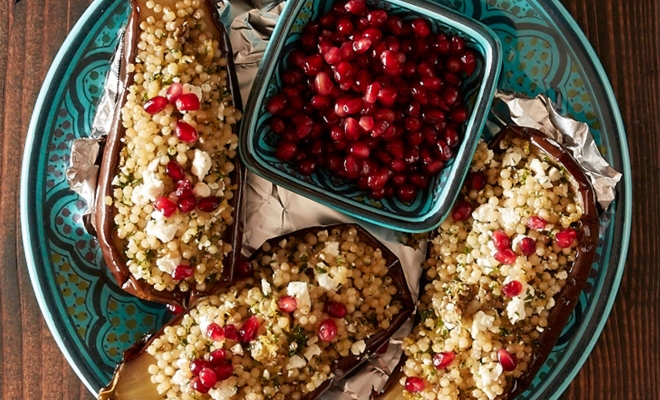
(623, 365)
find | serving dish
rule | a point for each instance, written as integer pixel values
(431, 205)
(93, 321)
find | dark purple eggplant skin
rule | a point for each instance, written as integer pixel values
(109, 244)
(343, 366)
(565, 301)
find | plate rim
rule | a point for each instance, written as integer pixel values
(27, 171)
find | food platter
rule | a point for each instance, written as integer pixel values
(93, 321)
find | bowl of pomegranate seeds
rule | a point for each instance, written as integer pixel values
(374, 110)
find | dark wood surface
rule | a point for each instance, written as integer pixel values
(624, 363)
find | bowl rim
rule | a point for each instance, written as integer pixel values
(489, 47)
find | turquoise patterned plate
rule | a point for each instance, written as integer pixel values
(93, 321)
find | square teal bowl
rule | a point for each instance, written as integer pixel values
(432, 205)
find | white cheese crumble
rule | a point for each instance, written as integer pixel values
(162, 230)
(358, 347)
(515, 310)
(201, 189)
(481, 322)
(331, 249)
(237, 349)
(201, 164)
(265, 287)
(311, 351)
(300, 291)
(487, 375)
(296, 362)
(147, 192)
(167, 263)
(224, 392)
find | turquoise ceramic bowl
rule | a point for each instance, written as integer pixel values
(432, 205)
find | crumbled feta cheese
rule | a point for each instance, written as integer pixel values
(515, 310)
(237, 349)
(296, 362)
(161, 230)
(488, 374)
(512, 157)
(265, 287)
(483, 212)
(481, 322)
(167, 263)
(562, 275)
(197, 90)
(313, 339)
(179, 378)
(300, 291)
(201, 164)
(311, 351)
(331, 249)
(550, 304)
(204, 323)
(554, 174)
(223, 392)
(201, 189)
(266, 374)
(538, 167)
(509, 219)
(326, 281)
(358, 347)
(150, 188)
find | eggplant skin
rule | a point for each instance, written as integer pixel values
(583, 248)
(280, 265)
(226, 171)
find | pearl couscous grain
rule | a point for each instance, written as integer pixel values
(276, 335)
(495, 266)
(173, 188)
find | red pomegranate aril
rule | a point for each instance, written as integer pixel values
(186, 132)
(244, 269)
(387, 95)
(451, 95)
(441, 44)
(537, 223)
(174, 171)
(380, 126)
(501, 240)
(344, 26)
(353, 106)
(217, 357)
(412, 124)
(469, 60)
(362, 183)
(450, 134)
(398, 165)
(166, 206)
(335, 309)
(451, 78)
(297, 58)
(155, 105)
(183, 188)
(377, 18)
(324, 45)
(372, 91)
(182, 272)
(565, 238)
(187, 102)
(173, 92)
(507, 360)
(197, 365)
(432, 83)
(420, 180)
(319, 102)
(198, 386)
(223, 371)
(328, 330)
(477, 181)
(366, 123)
(307, 166)
(407, 192)
(207, 377)
(362, 80)
(277, 125)
(174, 309)
(292, 76)
(343, 71)
(351, 168)
(443, 150)
(458, 115)
(332, 56)
(528, 246)
(356, 7)
(286, 151)
(277, 104)
(444, 359)
(248, 331)
(512, 289)
(506, 256)
(419, 94)
(374, 34)
(457, 44)
(389, 59)
(215, 332)
(359, 150)
(433, 115)
(462, 211)
(313, 64)
(454, 65)
(396, 148)
(433, 167)
(378, 180)
(186, 204)
(421, 27)
(308, 41)
(287, 304)
(209, 204)
(323, 84)
(414, 384)
(231, 332)
(346, 51)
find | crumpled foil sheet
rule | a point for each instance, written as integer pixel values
(541, 114)
(272, 211)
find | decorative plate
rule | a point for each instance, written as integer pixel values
(93, 321)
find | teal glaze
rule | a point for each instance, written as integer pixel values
(93, 321)
(258, 142)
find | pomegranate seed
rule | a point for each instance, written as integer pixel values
(444, 359)
(174, 309)
(313, 64)
(244, 269)
(230, 332)
(215, 332)
(372, 92)
(537, 223)
(394, 25)
(174, 171)
(186, 204)
(501, 240)
(419, 180)
(328, 330)
(155, 105)
(209, 204)
(323, 84)
(286, 151)
(307, 166)
(387, 95)
(469, 61)
(462, 211)
(198, 386)
(346, 50)
(319, 102)
(351, 129)
(182, 272)
(451, 136)
(248, 331)
(166, 206)
(362, 45)
(344, 26)
(207, 377)
(292, 77)
(457, 44)
(332, 56)
(459, 115)
(277, 104)
(335, 309)
(565, 238)
(377, 18)
(353, 106)
(378, 180)
(350, 168)
(506, 256)
(407, 192)
(356, 7)
(396, 148)
(476, 181)
(224, 371)
(414, 384)
(217, 357)
(187, 102)
(420, 27)
(507, 360)
(389, 60)
(287, 304)
(512, 289)
(183, 188)
(528, 246)
(343, 71)
(366, 123)
(197, 365)
(454, 65)
(185, 132)
(173, 92)
(433, 167)
(359, 150)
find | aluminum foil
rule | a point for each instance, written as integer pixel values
(541, 114)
